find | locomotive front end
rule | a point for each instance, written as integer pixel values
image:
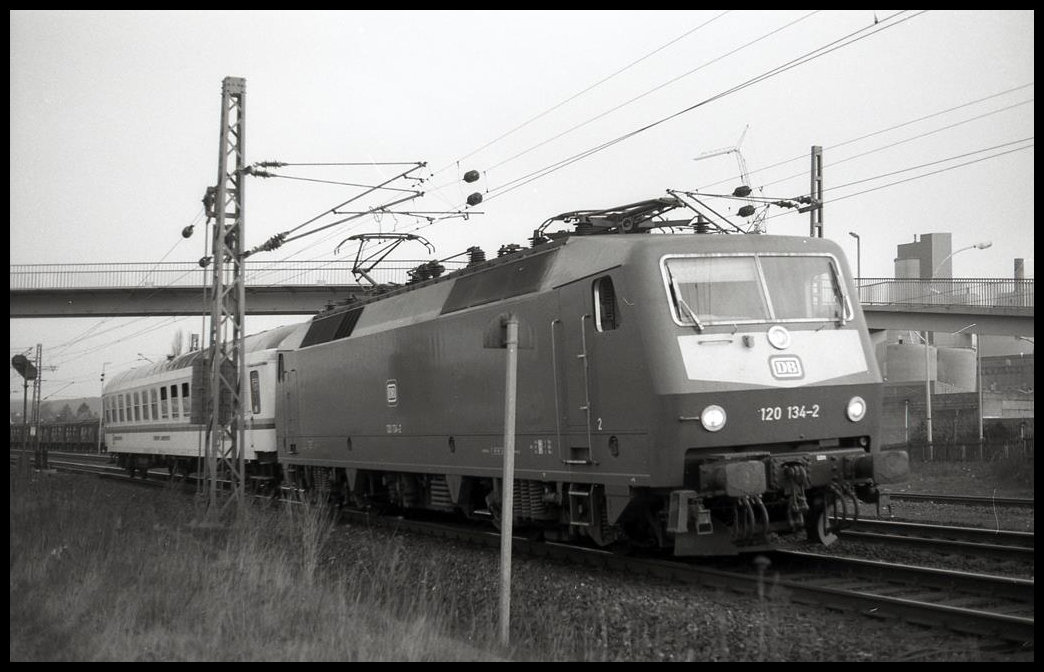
(773, 397)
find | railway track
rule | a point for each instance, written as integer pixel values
(94, 464)
(945, 538)
(979, 604)
(1014, 502)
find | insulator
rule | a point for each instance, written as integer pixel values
(746, 211)
(475, 199)
(741, 191)
(508, 249)
(187, 231)
(204, 262)
(471, 176)
(476, 255)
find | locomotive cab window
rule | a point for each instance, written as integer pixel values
(606, 312)
(745, 289)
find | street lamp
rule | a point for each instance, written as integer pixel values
(927, 377)
(859, 265)
(978, 246)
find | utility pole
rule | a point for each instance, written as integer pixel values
(816, 192)
(225, 444)
(41, 455)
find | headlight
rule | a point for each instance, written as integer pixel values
(778, 337)
(713, 418)
(856, 409)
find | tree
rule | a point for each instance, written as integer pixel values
(84, 412)
(66, 414)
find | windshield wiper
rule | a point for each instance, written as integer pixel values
(690, 311)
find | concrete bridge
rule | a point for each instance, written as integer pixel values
(994, 306)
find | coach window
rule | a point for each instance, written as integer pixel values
(606, 314)
(174, 402)
(152, 403)
(137, 407)
(119, 406)
(186, 410)
(255, 392)
(163, 403)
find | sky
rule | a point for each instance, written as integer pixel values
(926, 124)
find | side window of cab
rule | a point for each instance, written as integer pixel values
(607, 315)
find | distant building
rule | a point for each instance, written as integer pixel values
(953, 367)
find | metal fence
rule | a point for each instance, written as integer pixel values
(188, 274)
(985, 292)
(973, 451)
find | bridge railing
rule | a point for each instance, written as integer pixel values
(983, 292)
(189, 274)
(986, 292)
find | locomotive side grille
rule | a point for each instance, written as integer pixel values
(529, 501)
(439, 494)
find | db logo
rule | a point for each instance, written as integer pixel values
(786, 366)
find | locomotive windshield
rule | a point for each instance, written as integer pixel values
(735, 289)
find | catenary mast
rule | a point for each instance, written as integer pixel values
(226, 437)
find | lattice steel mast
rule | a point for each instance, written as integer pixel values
(226, 437)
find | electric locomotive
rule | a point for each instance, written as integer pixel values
(696, 392)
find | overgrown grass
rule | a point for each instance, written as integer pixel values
(1004, 477)
(109, 572)
(1016, 472)
(96, 576)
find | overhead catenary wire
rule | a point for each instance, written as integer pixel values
(771, 200)
(851, 38)
(584, 91)
(79, 338)
(909, 179)
(643, 95)
(910, 139)
(804, 157)
(847, 40)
